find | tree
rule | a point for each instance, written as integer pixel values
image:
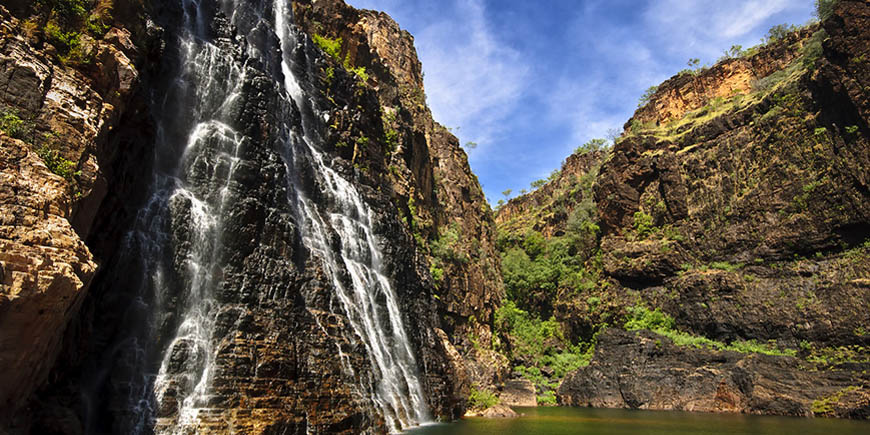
(693, 63)
(825, 8)
(538, 183)
(778, 32)
(734, 52)
(471, 145)
(507, 193)
(591, 146)
(523, 191)
(647, 96)
(613, 134)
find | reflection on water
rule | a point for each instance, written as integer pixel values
(583, 421)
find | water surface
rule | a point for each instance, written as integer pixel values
(583, 421)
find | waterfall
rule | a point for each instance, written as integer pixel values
(178, 241)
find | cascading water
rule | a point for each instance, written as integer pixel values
(178, 244)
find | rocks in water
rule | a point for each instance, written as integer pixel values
(499, 411)
(644, 370)
(518, 392)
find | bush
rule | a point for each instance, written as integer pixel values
(641, 317)
(779, 32)
(643, 224)
(13, 125)
(825, 8)
(529, 334)
(591, 146)
(58, 164)
(481, 399)
(647, 96)
(332, 47)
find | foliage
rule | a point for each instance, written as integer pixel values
(444, 249)
(332, 47)
(391, 135)
(64, 41)
(643, 224)
(591, 146)
(507, 193)
(825, 405)
(98, 25)
(538, 183)
(548, 398)
(359, 71)
(481, 399)
(726, 266)
(69, 12)
(640, 317)
(57, 163)
(825, 8)
(13, 125)
(647, 96)
(530, 334)
(779, 32)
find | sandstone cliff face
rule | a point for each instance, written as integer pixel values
(279, 346)
(63, 116)
(736, 202)
(439, 197)
(644, 371)
(547, 209)
(745, 220)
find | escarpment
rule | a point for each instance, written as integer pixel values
(439, 198)
(732, 221)
(266, 232)
(59, 111)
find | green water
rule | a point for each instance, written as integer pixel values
(587, 421)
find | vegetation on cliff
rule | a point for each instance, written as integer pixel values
(722, 218)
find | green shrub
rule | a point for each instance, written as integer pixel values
(726, 266)
(64, 41)
(481, 399)
(779, 32)
(332, 47)
(445, 248)
(70, 12)
(548, 398)
(643, 224)
(825, 8)
(640, 317)
(360, 72)
(13, 125)
(591, 146)
(647, 96)
(58, 164)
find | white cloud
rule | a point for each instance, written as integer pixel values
(473, 80)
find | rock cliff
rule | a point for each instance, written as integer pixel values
(57, 118)
(732, 212)
(440, 199)
(101, 267)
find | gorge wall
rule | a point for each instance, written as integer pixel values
(241, 224)
(732, 221)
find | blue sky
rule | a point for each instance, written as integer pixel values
(529, 81)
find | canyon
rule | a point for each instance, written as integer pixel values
(242, 217)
